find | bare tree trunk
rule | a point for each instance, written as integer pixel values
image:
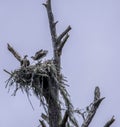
(58, 43)
(53, 106)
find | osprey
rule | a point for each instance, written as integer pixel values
(40, 54)
(97, 93)
(25, 62)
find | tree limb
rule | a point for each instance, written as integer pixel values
(93, 108)
(51, 21)
(15, 53)
(109, 123)
(7, 71)
(42, 123)
(63, 33)
(45, 117)
(65, 118)
(62, 43)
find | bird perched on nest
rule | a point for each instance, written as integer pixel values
(25, 62)
(40, 54)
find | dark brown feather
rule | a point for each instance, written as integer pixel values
(25, 62)
(40, 54)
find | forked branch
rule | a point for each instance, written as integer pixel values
(58, 42)
(63, 33)
(61, 45)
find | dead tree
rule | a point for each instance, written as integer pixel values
(46, 81)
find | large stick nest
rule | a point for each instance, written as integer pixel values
(34, 77)
(40, 79)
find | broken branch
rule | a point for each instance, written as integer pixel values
(64, 33)
(109, 123)
(61, 45)
(15, 53)
(52, 24)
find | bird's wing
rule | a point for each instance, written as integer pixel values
(21, 62)
(28, 62)
(38, 52)
(15, 53)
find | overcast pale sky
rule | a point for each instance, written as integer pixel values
(91, 56)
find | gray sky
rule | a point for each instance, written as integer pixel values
(91, 56)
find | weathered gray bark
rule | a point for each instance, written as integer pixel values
(58, 43)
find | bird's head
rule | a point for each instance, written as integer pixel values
(25, 56)
(45, 51)
(32, 56)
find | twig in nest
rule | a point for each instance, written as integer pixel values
(7, 72)
(30, 101)
(65, 118)
(45, 117)
(42, 123)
